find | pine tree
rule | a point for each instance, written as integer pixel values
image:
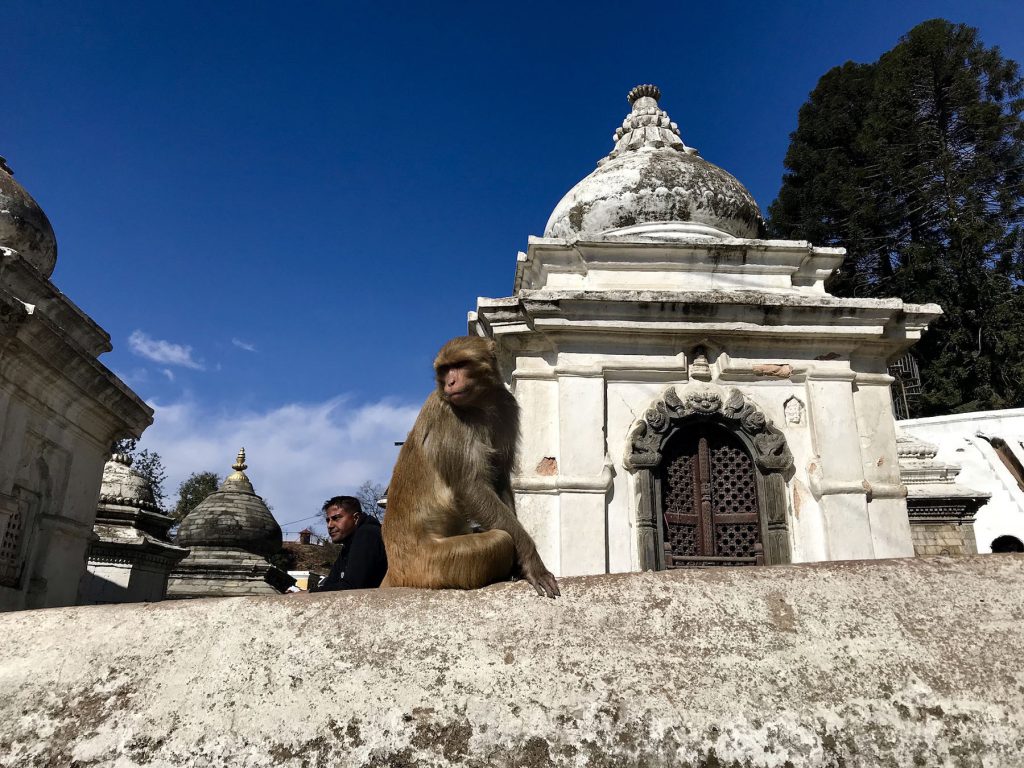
(915, 164)
(147, 463)
(193, 490)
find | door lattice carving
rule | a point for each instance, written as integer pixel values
(10, 545)
(14, 516)
(710, 503)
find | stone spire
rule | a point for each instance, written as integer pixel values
(233, 516)
(646, 125)
(231, 533)
(652, 187)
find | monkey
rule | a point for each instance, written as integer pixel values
(455, 469)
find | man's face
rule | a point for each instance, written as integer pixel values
(340, 523)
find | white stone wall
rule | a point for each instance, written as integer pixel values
(887, 663)
(54, 470)
(578, 499)
(597, 331)
(60, 409)
(627, 400)
(138, 579)
(959, 442)
(108, 583)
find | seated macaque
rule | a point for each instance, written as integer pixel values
(455, 470)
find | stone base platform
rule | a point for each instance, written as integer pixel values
(225, 572)
(882, 663)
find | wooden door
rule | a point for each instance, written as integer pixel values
(709, 503)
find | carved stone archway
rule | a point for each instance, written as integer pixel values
(741, 417)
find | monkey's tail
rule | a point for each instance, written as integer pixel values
(473, 560)
(466, 561)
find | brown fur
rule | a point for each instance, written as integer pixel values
(454, 470)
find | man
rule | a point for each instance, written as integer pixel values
(362, 562)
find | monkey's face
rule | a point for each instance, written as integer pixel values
(466, 371)
(457, 383)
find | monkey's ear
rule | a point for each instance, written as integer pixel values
(492, 348)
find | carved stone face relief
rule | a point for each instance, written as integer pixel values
(704, 401)
(770, 451)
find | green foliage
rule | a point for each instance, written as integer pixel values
(368, 494)
(193, 490)
(915, 164)
(150, 465)
(147, 463)
(125, 445)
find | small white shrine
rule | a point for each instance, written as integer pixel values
(60, 410)
(691, 393)
(131, 555)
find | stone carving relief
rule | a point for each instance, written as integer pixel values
(700, 369)
(727, 408)
(794, 410)
(770, 451)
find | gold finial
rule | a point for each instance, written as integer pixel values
(238, 476)
(240, 464)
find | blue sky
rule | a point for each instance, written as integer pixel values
(280, 213)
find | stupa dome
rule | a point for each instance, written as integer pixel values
(653, 187)
(23, 225)
(232, 517)
(123, 485)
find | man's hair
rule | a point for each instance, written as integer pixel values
(348, 503)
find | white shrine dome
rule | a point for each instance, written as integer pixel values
(123, 485)
(653, 187)
(23, 225)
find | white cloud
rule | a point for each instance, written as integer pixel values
(168, 373)
(298, 454)
(160, 351)
(248, 347)
(134, 377)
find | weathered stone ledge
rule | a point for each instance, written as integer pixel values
(885, 663)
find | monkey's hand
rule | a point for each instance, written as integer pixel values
(540, 578)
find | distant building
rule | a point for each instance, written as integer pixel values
(131, 555)
(309, 563)
(230, 536)
(942, 512)
(60, 411)
(303, 579)
(987, 448)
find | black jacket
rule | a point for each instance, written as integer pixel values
(362, 562)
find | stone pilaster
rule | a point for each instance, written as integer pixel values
(836, 473)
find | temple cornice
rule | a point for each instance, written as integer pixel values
(810, 320)
(48, 353)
